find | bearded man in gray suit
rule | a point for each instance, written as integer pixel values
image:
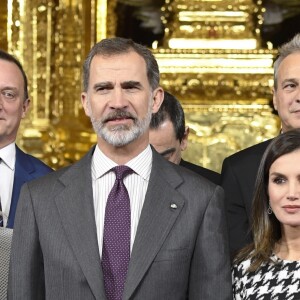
(177, 244)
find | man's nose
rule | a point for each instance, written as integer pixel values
(118, 99)
(298, 95)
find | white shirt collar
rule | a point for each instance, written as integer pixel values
(140, 164)
(8, 155)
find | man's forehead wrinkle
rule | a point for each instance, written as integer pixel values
(117, 68)
(293, 79)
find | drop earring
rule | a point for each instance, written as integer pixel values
(269, 211)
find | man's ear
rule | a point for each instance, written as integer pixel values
(158, 98)
(85, 103)
(184, 141)
(25, 107)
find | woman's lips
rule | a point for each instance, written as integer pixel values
(291, 208)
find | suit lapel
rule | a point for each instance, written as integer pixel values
(23, 170)
(76, 210)
(156, 220)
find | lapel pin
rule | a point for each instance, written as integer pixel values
(173, 206)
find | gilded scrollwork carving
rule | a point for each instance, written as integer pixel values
(191, 23)
(221, 129)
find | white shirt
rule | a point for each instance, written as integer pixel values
(7, 173)
(136, 184)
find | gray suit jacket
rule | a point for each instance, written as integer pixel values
(179, 253)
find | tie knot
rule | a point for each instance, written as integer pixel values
(122, 171)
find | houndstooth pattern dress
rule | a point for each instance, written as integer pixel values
(277, 280)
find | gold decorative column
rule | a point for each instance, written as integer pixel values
(51, 38)
(70, 137)
(3, 25)
(30, 31)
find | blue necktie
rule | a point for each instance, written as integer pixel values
(116, 236)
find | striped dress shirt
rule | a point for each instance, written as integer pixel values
(136, 183)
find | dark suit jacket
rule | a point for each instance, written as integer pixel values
(179, 251)
(238, 180)
(27, 168)
(209, 174)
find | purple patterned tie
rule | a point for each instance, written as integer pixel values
(116, 236)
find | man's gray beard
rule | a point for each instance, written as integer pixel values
(121, 135)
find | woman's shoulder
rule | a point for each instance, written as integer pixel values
(241, 266)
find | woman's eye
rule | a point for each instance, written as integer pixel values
(278, 180)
